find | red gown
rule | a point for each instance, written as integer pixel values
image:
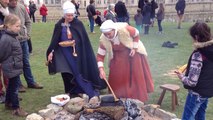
(130, 77)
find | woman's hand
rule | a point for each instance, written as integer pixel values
(132, 52)
(50, 57)
(102, 73)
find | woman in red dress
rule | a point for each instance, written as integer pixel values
(129, 73)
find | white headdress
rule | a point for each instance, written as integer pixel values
(107, 26)
(68, 7)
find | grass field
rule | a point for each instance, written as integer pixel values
(162, 61)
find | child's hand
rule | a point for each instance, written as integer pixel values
(178, 74)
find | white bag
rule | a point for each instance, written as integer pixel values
(60, 100)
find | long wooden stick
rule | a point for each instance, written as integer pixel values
(115, 98)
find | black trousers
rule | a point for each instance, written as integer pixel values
(32, 15)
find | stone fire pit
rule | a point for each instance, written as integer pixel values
(124, 109)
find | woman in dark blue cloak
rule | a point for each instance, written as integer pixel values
(79, 71)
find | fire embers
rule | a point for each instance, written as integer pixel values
(94, 116)
(109, 109)
(133, 110)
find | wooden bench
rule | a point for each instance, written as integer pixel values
(174, 89)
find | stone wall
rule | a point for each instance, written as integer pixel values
(193, 12)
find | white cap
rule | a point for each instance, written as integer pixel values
(68, 7)
(107, 26)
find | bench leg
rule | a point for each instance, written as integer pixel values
(161, 97)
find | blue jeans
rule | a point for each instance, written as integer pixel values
(159, 26)
(195, 107)
(92, 23)
(44, 18)
(12, 92)
(26, 64)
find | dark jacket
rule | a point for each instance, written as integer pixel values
(138, 19)
(10, 55)
(120, 9)
(141, 4)
(111, 16)
(32, 8)
(180, 6)
(160, 14)
(91, 11)
(87, 61)
(154, 6)
(205, 82)
(146, 13)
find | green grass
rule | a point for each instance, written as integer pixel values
(161, 61)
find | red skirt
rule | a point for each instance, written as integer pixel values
(130, 77)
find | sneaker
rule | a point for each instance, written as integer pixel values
(2, 99)
(21, 89)
(20, 112)
(35, 86)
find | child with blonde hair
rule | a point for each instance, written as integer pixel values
(11, 60)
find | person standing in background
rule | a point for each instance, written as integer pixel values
(154, 6)
(111, 15)
(180, 7)
(160, 16)
(43, 11)
(138, 20)
(23, 36)
(141, 4)
(28, 11)
(77, 5)
(121, 11)
(91, 15)
(146, 16)
(33, 8)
